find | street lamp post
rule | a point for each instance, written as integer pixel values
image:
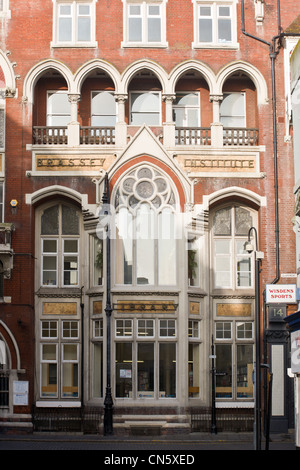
(258, 257)
(213, 388)
(108, 401)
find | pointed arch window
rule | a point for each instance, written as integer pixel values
(145, 229)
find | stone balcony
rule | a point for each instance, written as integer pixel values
(74, 135)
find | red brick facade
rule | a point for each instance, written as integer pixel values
(27, 45)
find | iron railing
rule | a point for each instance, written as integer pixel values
(227, 419)
(4, 388)
(88, 420)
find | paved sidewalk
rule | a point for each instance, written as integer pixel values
(194, 442)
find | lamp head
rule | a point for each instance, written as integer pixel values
(248, 247)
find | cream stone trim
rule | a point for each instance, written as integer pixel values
(57, 190)
(90, 66)
(255, 75)
(233, 191)
(14, 342)
(9, 74)
(183, 67)
(37, 71)
(139, 65)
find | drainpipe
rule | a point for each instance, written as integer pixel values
(82, 348)
(273, 55)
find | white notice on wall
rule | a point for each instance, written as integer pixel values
(20, 392)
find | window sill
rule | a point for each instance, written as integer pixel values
(62, 45)
(154, 45)
(231, 46)
(250, 292)
(58, 291)
(58, 404)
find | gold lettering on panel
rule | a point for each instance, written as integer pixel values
(212, 164)
(147, 306)
(59, 308)
(73, 162)
(233, 310)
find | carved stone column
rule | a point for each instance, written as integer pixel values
(216, 126)
(121, 126)
(74, 126)
(169, 125)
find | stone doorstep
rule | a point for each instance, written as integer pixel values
(151, 421)
(152, 418)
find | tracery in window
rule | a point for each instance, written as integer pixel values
(146, 229)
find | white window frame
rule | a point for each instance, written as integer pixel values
(232, 255)
(124, 328)
(59, 254)
(49, 361)
(5, 12)
(187, 107)
(74, 42)
(51, 114)
(214, 5)
(48, 329)
(132, 364)
(102, 112)
(144, 18)
(241, 117)
(47, 254)
(170, 325)
(64, 255)
(70, 329)
(158, 93)
(194, 329)
(64, 360)
(235, 342)
(98, 328)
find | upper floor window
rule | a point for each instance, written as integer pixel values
(104, 109)
(58, 108)
(145, 23)
(232, 264)
(60, 246)
(233, 110)
(74, 23)
(215, 23)
(145, 108)
(186, 109)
